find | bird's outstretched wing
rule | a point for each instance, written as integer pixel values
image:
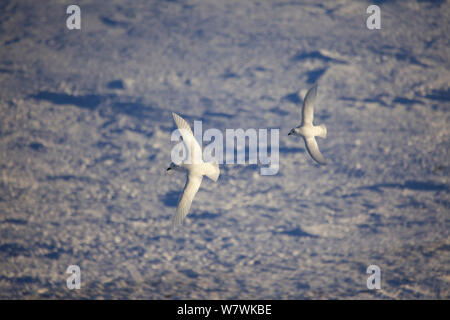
(190, 189)
(191, 144)
(314, 151)
(308, 105)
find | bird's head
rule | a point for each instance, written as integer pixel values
(291, 132)
(173, 167)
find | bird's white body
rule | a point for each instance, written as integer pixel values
(195, 168)
(310, 131)
(307, 130)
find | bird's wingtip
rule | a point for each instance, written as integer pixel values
(175, 223)
(321, 162)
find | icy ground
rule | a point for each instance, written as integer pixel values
(85, 124)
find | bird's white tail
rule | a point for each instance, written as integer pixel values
(212, 171)
(323, 134)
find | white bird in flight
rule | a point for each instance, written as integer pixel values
(307, 130)
(195, 168)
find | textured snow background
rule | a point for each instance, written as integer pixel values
(85, 124)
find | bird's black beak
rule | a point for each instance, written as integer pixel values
(289, 134)
(169, 168)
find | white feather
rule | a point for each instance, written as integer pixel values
(308, 130)
(196, 169)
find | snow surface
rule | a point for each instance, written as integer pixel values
(85, 121)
